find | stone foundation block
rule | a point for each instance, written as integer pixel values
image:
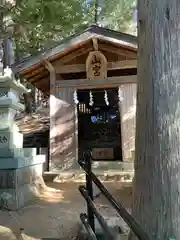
(20, 162)
(19, 186)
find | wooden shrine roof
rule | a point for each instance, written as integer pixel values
(72, 48)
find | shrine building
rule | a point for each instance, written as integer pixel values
(90, 78)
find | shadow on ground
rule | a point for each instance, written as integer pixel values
(55, 214)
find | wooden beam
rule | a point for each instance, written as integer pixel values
(111, 73)
(39, 78)
(61, 60)
(117, 50)
(95, 44)
(34, 72)
(85, 83)
(43, 88)
(52, 73)
(122, 64)
(63, 69)
(69, 57)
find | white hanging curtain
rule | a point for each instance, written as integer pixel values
(91, 101)
(106, 98)
(75, 97)
(120, 96)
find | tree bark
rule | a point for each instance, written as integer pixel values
(156, 187)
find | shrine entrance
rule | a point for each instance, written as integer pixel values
(99, 128)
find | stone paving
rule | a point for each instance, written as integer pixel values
(55, 214)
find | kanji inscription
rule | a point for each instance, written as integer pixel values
(96, 66)
(3, 139)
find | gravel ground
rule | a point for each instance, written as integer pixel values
(55, 214)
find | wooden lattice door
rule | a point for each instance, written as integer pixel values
(99, 125)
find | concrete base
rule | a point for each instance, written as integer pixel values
(19, 186)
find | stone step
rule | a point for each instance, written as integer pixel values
(79, 176)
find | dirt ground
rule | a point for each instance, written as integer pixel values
(55, 214)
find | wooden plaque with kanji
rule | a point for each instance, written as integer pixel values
(96, 66)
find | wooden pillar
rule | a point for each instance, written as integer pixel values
(128, 119)
(63, 130)
(52, 99)
(63, 133)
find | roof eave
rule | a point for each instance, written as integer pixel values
(93, 31)
(50, 52)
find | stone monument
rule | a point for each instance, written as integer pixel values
(20, 168)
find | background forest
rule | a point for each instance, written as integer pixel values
(29, 26)
(35, 24)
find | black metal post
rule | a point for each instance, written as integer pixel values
(100, 218)
(89, 187)
(92, 211)
(91, 234)
(132, 223)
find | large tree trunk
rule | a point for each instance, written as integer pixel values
(156, 191)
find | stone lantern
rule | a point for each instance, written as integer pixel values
(20, 168)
